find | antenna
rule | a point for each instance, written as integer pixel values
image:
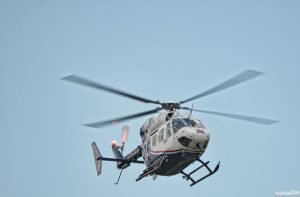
(191, 111)
(116, 183)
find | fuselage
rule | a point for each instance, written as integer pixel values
(174, 145)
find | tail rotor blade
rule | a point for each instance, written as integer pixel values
(125, 131)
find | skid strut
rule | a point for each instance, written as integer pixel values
(188, 177)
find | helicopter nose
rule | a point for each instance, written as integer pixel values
(200, 138)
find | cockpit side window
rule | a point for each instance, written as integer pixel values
(153, 139)
(161, 134)
(168, 130)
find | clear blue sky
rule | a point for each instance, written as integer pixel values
(166, 50)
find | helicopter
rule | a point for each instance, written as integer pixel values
(170, 141)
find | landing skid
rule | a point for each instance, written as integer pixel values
(188, 177)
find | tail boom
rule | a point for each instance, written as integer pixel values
(122, 162)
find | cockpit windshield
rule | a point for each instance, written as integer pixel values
(194, 123)
(178, 123)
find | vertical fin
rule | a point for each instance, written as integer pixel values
(97, 157)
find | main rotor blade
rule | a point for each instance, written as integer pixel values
(253, 119)
(121, 119)
(242, 77)
(92, 84)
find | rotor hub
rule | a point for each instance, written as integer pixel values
(171, 106)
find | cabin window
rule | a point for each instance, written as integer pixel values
(153, 139)
(161, 135)
(168, 130)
